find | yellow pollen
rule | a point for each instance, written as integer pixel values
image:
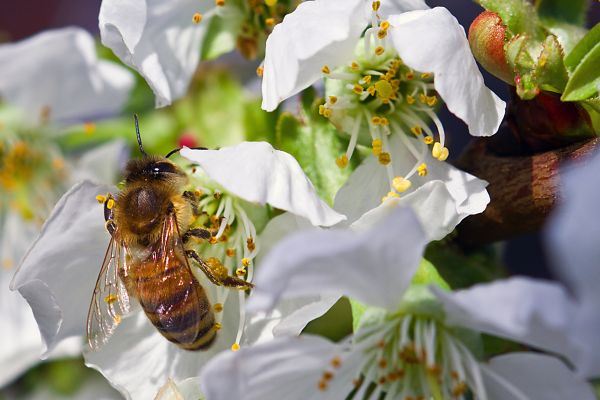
(110, 204)
(384, 121)
(423, 98)
(379, 50)
(327, 375)
(89, 128)
(235, 347)
(336, 362)
(250, 244)
(422, 169)
(425, 75)
(428, 140)
(401, 184)
(245, 262)
(218, 307)
(410, 99)
(322, 385)
(376, 147)
(358, 89)
(325, 70)
(230, 252)
(324, 111)
(220, 3)
(332, 99)
(342, 161)
(440, 152)
(390, 195)
(366, 79)
(101, 198)
(117, 319)
(217, 326)
(197, 17)
(240, 272)
(260, 71)
(376, 120)
(213, 240)
(371, 90)
(432, 101)
(416, 130)
(376, 5)
(384, 89)
(384, 158)
(354, 65)
(384, 25)
(270, 21)
(381, 33)
(111, 298)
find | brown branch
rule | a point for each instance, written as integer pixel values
(523, 190)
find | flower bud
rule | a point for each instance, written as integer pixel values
(487, 36)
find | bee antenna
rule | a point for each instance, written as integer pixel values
(169, 154)
(137, 133)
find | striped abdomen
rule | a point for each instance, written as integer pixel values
(174, 301)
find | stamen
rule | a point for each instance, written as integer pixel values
(197, 18)
(220, 3)
(400, 184)
(260, 70)
(422, 169)
(325, 70)
(342, 161)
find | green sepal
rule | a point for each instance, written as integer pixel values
(571, 11)
(519, 16)
(583, 64)
(568, 35)
(518, 55)
(315, 143)
(551, 74)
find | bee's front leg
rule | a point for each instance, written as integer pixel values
(200, 233)
(217, 273)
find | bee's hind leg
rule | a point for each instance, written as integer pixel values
(109, 213)
(200, 233)
(217, 273)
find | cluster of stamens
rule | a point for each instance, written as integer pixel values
(231, 248)
(260, 16)
(383, 96)
(413, 358)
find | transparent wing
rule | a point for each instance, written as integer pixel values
(110, 301)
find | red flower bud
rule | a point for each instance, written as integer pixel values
(487, 36)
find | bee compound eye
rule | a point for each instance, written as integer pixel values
(163, 168)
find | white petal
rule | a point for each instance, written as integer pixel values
(285, 368)
(433, 41)
(102, 164)
(374, 266)
(390, 7)
(317, 33)
(260, 174)
(59, 70)
(188, 389)
(441, 200)
(58, 273)
(157, 39)
(537, 376)
(533, 312)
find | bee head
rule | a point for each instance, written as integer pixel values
(152, 168)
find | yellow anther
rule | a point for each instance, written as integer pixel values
(213, 240)
(366, 79)
(385, 25)
(327, 375)
(376, 5)
(425, 75)
(422, 169)
(250, 244)
(428, 139)
(422, 98)
(342, 161)
(111, 298)
(240, 272)
(384, 89)
(377, 147)
(376, 120)
(440, 152)
(336, 362)
(354, 66)
(332, 99)
(382, 363)
(7, 263)
(416, 130)
(432, 101)
(270, 3)
(197, 17)
(217, 326)
(58, 163)
(322, 385)
(381, 33)
(260, 71)
(358, 89)
(230, 252)
(371, 90)
(89, 128)
(324, 111)
(409, 75)
(400, 184)
(218, 307)
(384, 158)
(379, 50)
(384, 121)
(220, 3)
(410, 99)
(245, 262)
(325, 70)
(390, 195)
(270, 21)
(110, 204)
(235, 347)
(217, 195)
(117, 319)
(101, 198)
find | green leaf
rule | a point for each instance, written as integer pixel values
(519, 16)
(584, 64)
(550, 72)
(315, 143)
(571, 11)
(568, 35)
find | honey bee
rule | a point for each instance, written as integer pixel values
(148, 258)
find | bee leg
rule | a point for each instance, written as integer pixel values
(193, 199)
(198, 233)
(218, 274)
(109, 214)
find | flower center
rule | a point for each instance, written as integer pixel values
(377, 93)
(232, 246)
